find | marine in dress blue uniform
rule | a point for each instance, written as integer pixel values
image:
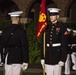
(56, 44)
(71, 51)
(15, 46)
(73, 55)
(1, 63)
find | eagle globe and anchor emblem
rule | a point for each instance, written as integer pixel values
(42, 19)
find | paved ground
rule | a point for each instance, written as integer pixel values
(35, 70)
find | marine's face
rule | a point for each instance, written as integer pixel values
(54, 18)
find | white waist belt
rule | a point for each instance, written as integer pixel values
(73, 44)
(57, 44)
(54, 45)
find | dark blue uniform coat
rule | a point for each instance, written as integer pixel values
(55, 33)
(14, 41)
(69, 50)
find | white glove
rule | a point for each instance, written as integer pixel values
(24, 66)
(42, 63)
(1, 63)
(61, 63)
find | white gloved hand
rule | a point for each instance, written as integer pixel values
(61, 63)
(24, 66)
(43, 63)
(1, 63)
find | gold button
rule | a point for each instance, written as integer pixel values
(51, 32)
(51, 29)
(50, 42)
(52, 26)
(50, 38)
(50, 35)
(58, 49)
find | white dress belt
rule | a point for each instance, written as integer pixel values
(57, 44)
(73, 44)
(54, 45)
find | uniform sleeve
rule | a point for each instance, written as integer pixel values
(1, 51)
(2, 45)
(64, 43)
(25, 48)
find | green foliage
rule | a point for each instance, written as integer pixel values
(34, 43)
(4, 24)
(28, 73)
